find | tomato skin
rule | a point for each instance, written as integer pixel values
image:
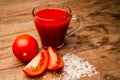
(25, 47)
(41, 60)
(55, 60)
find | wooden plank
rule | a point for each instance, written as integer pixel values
(98, 42)
(94, 56)
(10, 39)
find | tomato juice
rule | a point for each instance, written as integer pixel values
(52, 26)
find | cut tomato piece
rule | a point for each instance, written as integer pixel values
(38, 64)
(55, 60)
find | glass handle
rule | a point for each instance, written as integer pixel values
(74, 25)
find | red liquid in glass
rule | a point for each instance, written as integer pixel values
(52, 25)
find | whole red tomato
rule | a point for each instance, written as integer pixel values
(25, 47)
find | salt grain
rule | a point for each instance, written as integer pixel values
(75, 67)
(44, 77)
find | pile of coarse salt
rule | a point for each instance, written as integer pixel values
(75, 67)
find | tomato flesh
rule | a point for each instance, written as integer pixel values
(55, 60)
(38, 64)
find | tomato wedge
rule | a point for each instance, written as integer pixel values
(55, 60)
(38, 64)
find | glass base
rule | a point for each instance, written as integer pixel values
(53, 47)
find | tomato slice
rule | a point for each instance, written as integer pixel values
(55, 60)
(38, 64)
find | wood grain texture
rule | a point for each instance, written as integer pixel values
(98, 41)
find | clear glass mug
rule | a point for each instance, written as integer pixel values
(52, 21)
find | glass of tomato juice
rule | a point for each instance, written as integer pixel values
(52, 21)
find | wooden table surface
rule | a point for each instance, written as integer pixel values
(98, 41)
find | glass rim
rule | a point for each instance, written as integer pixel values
(47, 19)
